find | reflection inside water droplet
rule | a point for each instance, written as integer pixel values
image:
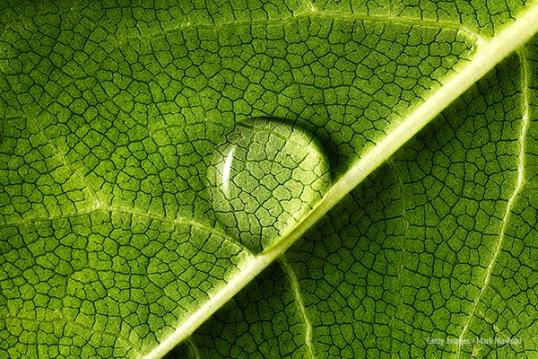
(264, 178)
(227, 169)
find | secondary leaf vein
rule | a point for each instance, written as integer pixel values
(133, 212)
(296, 289)
(520, 181)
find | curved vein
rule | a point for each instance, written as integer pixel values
(296, 289)
(520, 181)
(312, 12)
(135, 347)
(68, 164)
(402, 256)
(193, 348)
(134, 212)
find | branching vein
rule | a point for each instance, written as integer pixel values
(193, 348)
(311, 11)
(520, 181)
(68, 165)
(138, 213)
(296, 289)
(402, 255)
(132, 345)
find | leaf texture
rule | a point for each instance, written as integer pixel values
(111, 113)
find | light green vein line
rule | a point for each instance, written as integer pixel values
(178, 220)
(137, 213)
(193, 348)
(68, 165)
(520, 181)
(488, 55)
(135, 347)
(403, 253)
(314, 12)
(309, 12)
(296, 289)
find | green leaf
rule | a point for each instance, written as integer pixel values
(112, 245)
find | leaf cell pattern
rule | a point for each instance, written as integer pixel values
(109, 115)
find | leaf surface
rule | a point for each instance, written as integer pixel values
(110, 245)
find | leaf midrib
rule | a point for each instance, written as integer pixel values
(488, 55)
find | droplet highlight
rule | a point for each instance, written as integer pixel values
(264, 178)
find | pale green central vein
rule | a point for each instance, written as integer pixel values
(520, 181)
(488, 55)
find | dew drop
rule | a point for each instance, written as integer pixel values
(264, 178)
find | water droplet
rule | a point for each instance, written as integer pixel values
(264, 178)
